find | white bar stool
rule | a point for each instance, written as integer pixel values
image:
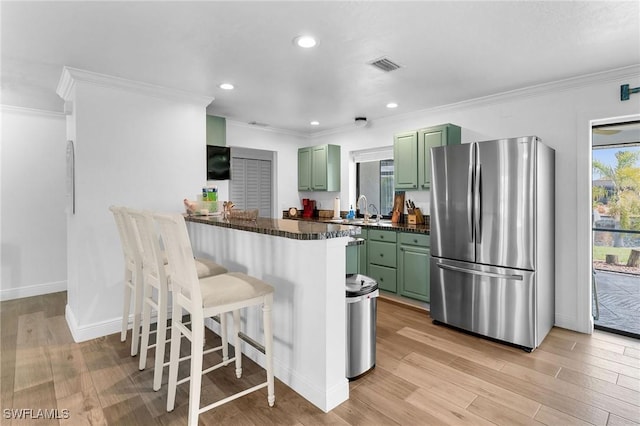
(132, 277)
(207, 297)
(156, 290)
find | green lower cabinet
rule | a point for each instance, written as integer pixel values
(413, 271)
(399, 262)
(384, 276)
(357, 256)
(364, 262)
(353, 259)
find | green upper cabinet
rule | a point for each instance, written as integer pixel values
(304, 169)
(447, 134)
(319, 168)
(405, 153)
(216, 130)
(412, 154)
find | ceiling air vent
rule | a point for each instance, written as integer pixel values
(385, 64)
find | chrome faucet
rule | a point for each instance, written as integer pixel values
(377, 215)
(366, 212)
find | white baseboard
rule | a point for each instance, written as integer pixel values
(571, 323)
(90, 331)
(98, 329)
(32, 290)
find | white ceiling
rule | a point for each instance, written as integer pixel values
(450, 51)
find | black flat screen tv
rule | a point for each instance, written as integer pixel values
(218, 162)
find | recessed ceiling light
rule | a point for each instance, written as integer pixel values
(305, 41)
(226, 86)
(315, 123)
(392, 105)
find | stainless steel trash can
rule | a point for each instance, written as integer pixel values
(362, 298)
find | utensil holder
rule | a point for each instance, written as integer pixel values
(415, 218)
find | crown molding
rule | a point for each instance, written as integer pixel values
(31, 111)
(615, 75)
(70, 76)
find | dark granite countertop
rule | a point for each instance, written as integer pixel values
(385, 224)
(353, 241)
(287, 228)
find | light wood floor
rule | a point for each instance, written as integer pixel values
(425, 374)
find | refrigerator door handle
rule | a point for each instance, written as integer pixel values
(470, 202)
(477, 204)
(484, 274)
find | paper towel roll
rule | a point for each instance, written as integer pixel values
(336, 208)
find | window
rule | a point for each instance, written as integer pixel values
(374, 180)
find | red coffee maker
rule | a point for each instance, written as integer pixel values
(308, 207)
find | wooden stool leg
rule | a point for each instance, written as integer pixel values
(174, 357)
(236, 342)
(126, 307)
(224, 337)
(268, 347)
(195, 380)
(161, 339)
(137, 311)
(146, 329)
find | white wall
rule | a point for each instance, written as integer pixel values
(285, 145)
(135, 146)
(561, 115)
(33, 216)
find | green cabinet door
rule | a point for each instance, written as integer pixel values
(446, 134)
(384, 276)
(413, 272)
(304, 169)
(319, 168)
(364, 260)
(405, 166)
(353, 259)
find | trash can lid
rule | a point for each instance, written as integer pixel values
(358, 285)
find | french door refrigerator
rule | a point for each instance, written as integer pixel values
(492, 239)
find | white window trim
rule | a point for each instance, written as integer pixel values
(373, 154)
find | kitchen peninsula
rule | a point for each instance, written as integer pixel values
(305, 262)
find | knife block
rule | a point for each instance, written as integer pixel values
(415, 218)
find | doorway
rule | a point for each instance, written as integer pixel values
(616, 227)
(252, 180)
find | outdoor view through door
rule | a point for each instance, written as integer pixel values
(616, 227)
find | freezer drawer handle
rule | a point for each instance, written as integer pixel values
(484, 274)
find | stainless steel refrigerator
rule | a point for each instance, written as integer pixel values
(492, 239)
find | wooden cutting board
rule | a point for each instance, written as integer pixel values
(398, 206)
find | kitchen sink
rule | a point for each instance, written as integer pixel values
(385, 222)
(360, 222)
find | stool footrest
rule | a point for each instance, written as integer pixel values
(244, 337)
(232, 397)
(252, 342)
(208, 370)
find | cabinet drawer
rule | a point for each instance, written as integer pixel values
(382, 253)
(378, 235)
(415, 239)
(384, 276)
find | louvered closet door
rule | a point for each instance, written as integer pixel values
(251, 185)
